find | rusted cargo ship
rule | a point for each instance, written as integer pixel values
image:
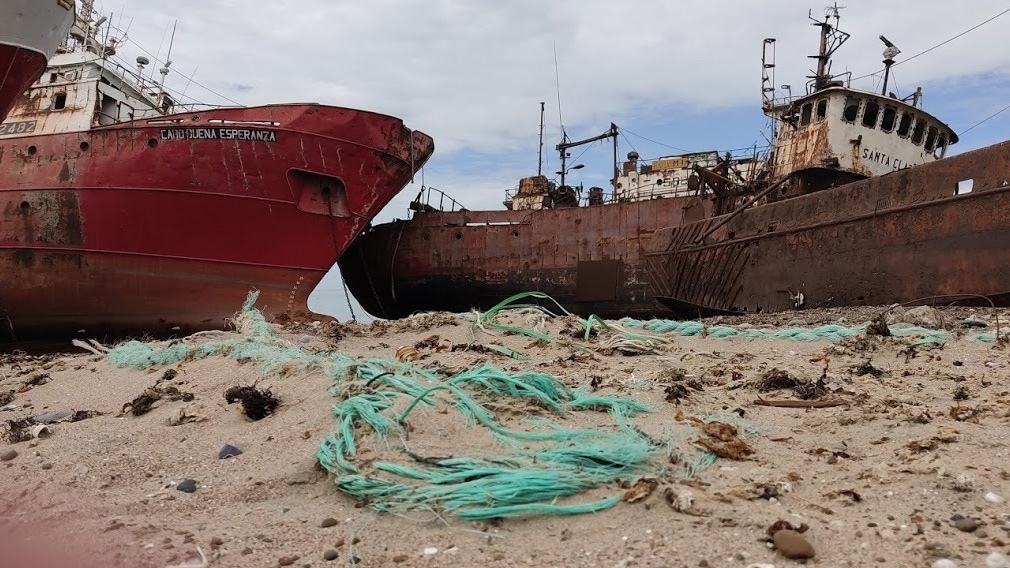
(588, 254)
(30, 32)
(122, 211)
(592, 255)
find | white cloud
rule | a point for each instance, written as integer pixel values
(471, 74)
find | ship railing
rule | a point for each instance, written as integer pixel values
(428, 196)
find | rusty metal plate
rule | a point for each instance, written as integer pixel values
(597, 280)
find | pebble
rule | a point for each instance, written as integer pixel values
(400, 558)
(228, 451)
(8, 455)
(216, 542)
(47, 465)
(187, 486)
(944, 563)
(791, 544)
(993, 498)
(246, 551)
(328, 522)
(431, 550)
(966, 524)
(330, 555)
(287, 560)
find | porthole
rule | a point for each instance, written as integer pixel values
(32, 150)
(153, 142)
(85, 146)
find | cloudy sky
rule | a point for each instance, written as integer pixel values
(675, 76)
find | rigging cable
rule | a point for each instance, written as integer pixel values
(653, 141)
(945, 42)
(984, 120)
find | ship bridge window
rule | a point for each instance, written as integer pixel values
(889, 116)
(822, 109)
(60, 101)
(851, 109)
(941, 146)
(870, 114)
(918, 131)
(904, 125)
(931, 138)
(805, 114)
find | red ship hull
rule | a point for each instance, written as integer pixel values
(19, 68)
(163, 226)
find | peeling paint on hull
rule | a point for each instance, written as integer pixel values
(590, 259)
(129, 229)
(903, 237)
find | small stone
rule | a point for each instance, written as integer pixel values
(301, 478)
(330, 555)
(944, 563)
(400, 558)
(792, 544)
(340, 543)
(228, 451)
(328, 522)
(187, 486)
(497, 555)
(981, 533)
(8, 455)
(430, 551)
(966, 524)
(246, 551)
(993, 498)
(287, 560)
(216, 542)
(47, 465)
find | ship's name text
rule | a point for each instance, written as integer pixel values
(242, 134)
(882, 158)
(23, 127)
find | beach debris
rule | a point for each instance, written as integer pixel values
(145, 401)
(228, 451)
(199, 562)
(407, 353)
(801, 403)
(53, 417)
(40, 432)
(257, 404)
(79, 415)
(187, 486)
(878, 326)
(641, 489)
(182, 416)
(19, 430)
(729, 445)
(169, 374)
(679, 499)
(37, 379)
(867, 368)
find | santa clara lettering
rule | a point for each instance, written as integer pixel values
(882, 158)
(240, 134)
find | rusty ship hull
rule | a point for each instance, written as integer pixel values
(590, 259)
(163, 226)
(30, 32)
(934, 233)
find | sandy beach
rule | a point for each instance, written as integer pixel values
(878, 451)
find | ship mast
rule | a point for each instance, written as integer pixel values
(540, 165)
(831, 39)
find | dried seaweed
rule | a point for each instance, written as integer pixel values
(257, 404)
